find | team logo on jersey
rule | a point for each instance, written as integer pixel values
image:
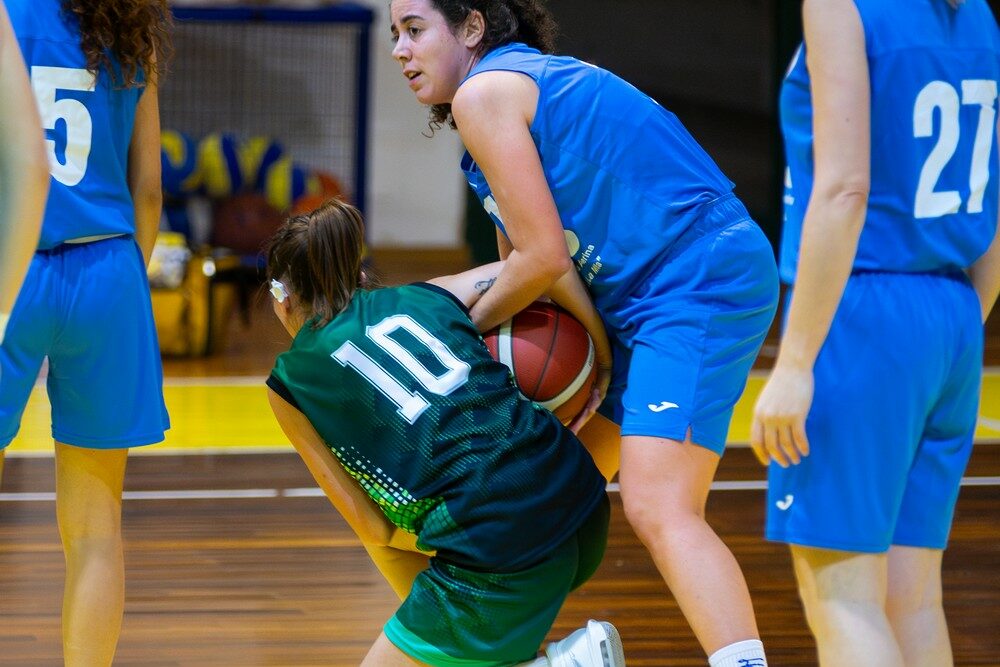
(572, 242)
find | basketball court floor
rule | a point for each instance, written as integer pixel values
(233, 556)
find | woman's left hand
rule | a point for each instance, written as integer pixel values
(778, 431)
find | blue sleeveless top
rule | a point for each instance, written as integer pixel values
(934, 167)
(88, 127)
(627, 178)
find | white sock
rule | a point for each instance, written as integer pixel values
(748, 653)
(537, 662)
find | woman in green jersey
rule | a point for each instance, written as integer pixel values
(420, 438)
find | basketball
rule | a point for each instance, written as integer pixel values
(244, 223)
(550, 356)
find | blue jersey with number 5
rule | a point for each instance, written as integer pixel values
(934, 167)
(88, 126)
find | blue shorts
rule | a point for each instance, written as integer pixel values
(458, 617)
(684, 341)
(893, 414)
(87, 308)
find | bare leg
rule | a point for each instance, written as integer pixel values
(664, 486)
(384, 653)
(844, 595)
(602, 438)
(915, 607)
(88, 508)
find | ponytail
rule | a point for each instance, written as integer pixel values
(318, 257)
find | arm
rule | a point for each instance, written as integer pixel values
(144, 169)
(570, 293)
(503, 245)
(24, 170)
(469, 286)
(361, 513)
(394, 552)
(493, 112)
(985, 272)
(399, 563)
(835, 214)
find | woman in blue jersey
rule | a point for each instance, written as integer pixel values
(85, 302)
(24, 173)
(605, 203)
(420, 439)
(889, 119)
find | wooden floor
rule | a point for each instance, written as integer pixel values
(279, 580)
(234, 560)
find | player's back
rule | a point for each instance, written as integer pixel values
(934, 178)
(88, 126)
(402, 388)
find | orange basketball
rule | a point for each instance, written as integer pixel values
(550, 355)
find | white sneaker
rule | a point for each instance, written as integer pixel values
(597, 645)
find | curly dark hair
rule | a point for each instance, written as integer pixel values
(135, 32)
(527, 21)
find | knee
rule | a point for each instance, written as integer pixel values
(835, 583)
(85, 537)
(902, 603)
(656, 519)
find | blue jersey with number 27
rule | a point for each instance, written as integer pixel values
(88, 126)
(934, 167)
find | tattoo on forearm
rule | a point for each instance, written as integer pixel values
(484, 285)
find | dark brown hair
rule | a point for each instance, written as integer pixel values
(527, 21)
(318, 255)
(135, 32)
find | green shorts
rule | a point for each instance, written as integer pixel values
(455, 616)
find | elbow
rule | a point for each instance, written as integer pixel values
(553, 267)
(538, 266)
(847, 198)
(848, 192)
(378, 534)
(148, 198)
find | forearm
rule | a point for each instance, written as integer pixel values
(985, 275)
(24, 168)
(24, 183)
(469, 286)
(521, 281)
(570, 293)
(359, 511)
(148, 205)
(144, 178)
(829, 243)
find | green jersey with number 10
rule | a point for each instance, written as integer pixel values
(403, 390)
